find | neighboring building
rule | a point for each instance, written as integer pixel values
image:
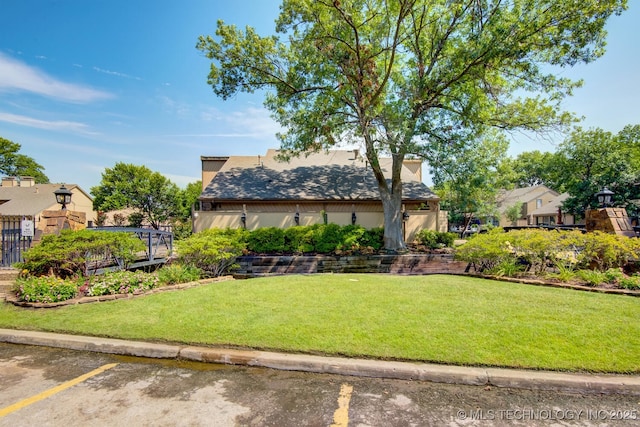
(29, 210)
(539, 199)
(552, 213)
(334, 187)
(21, 196)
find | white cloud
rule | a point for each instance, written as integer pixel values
(58, 125)
(18, 76)
(115, 73)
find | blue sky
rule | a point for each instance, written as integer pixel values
(88, 83)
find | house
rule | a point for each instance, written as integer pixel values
(336, 186)
(552, 213)
(22, 197)
(29, 210)
(531, 199)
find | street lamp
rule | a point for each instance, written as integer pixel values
(63, 196)
(604, 197)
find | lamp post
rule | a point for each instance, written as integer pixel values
(63, 196)
(604, 197)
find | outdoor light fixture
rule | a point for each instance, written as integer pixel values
(296, 218)
(243, 218)
(353, 218)
(63, 196)
(405, 215)
(604, 197)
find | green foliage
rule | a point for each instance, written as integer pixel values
(592, 277)
(565, 272)
(435, 239)
(589, 160)
(44, 289)
(533, 168)
(603, 251)
(214, 251)
(266, 240)
(121, 282)
(541, 249)
(67, 254)
(630, 282)
(298, 239)
(13, 163)
(419, 77)
(177, 273)
(318, 238)
(155, 198)
(509, 267)
(514, 212)
(486, 250)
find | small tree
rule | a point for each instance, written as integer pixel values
(214, 251)
(155, 198)
(514, 212)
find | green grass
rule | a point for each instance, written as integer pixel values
(443, 319)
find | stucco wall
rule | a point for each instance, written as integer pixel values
(418, 220)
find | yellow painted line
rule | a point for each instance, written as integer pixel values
(341, 415)
(54, 390)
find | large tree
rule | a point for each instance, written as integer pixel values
(468, 180)
(399, 76)
(589, 160)
(153, 197)
(12, 163)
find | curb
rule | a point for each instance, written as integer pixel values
(477, 376)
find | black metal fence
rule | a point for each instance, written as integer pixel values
(13, 241)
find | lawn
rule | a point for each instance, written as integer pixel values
(442, 319)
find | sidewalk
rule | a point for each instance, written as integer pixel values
(478, 376)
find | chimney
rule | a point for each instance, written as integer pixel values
(9, 181)
(27, 181)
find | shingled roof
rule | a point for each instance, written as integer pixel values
(29, 200)
(334, 175)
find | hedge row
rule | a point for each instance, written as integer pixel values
(541, 250)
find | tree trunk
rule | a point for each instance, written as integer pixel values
(393, 225)
(392, 206)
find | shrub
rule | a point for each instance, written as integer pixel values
(45, 289)
(121, 282)
(266, 240)
(435, 239)
(214, 251)
(542, 249)
(603, 251)
(373, 238)
(298, 239)
(66, 255)
(327, 237)
(177, 273)
(486, 250)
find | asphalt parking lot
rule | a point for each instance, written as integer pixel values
(43, 386)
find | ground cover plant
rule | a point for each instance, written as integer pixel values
(436, 318)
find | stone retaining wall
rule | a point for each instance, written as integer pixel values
(251, 266)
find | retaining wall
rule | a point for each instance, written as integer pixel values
(251, 266)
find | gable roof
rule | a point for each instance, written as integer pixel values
(508, 198)
(333, 175)
(551, 208)
(30, 200)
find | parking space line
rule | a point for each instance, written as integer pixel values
(54, 390)
(341, 415)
